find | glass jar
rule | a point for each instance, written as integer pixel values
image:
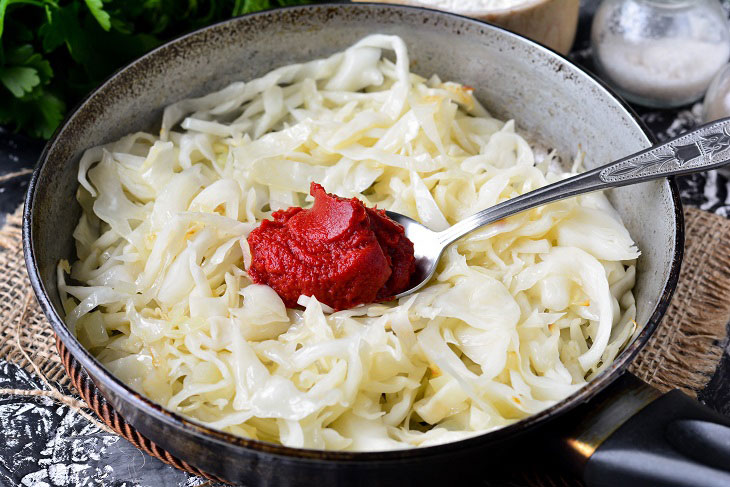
(660, 53)
(717, 99)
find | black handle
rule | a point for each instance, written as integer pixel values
(631, 435)
(674, 441)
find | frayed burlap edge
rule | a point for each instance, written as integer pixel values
(26, 337)
(686, 348)
(19, 311)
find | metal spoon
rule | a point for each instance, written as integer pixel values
(704, 148)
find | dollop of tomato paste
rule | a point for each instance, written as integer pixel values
(339, 251)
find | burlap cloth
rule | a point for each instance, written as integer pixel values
(683, 352)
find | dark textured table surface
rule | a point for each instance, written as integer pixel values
(45, 444)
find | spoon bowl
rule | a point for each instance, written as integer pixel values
(427, 249)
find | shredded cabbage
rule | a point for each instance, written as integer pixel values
(520, 315)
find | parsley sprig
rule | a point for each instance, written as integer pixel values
(52, 52)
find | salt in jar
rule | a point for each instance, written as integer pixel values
(660, 53)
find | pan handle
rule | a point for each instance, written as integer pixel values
(632, 435)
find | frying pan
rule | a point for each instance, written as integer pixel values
(552, 99)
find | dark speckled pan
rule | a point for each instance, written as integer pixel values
(515, 78)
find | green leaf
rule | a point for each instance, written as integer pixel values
(60, 22)
(23, 56)
(24, 69)
(4, 4)
(96, 7)
(37, 116)
(122, 26)
(18, 54)
(152, 4)
(237, 8)
(247, 6)
(19, 79)
(42, 66)
(81, 41)
(51, 110)
(55, 51)
(3, 8)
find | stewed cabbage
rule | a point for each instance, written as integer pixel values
(520, 315)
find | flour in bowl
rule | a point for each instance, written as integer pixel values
(471, 5)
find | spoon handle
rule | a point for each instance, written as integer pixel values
(702, 149)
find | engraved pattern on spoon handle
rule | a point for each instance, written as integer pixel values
(707, 147)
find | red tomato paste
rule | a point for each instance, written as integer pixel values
(339, 251)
